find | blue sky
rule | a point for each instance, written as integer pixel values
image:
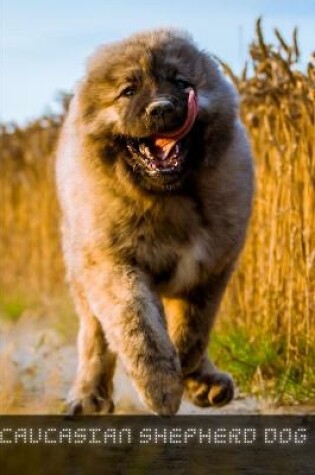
(44, 43)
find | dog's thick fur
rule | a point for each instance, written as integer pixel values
(149, 255)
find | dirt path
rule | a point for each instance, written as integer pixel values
(37, 366)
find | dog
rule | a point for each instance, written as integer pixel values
(155, 182)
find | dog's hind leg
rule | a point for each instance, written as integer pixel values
(93, 386)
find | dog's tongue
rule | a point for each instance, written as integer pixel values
(164, 143)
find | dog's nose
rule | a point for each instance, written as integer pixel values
(160, 107)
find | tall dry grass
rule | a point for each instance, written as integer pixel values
(30, 253)
(271, 297)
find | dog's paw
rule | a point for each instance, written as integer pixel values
(161, 391)
(213, 389)
(92, 403)
(164, 395)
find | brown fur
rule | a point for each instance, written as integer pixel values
(149, 257)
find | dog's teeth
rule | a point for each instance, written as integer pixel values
(147, 152)
(142, 148)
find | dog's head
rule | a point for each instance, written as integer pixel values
(152, 103)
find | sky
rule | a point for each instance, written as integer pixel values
(45, 43)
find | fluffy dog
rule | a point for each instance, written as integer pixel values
(154, 176)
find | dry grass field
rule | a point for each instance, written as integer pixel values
(265, 334)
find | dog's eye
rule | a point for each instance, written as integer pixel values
(182, 83)
(128, 91)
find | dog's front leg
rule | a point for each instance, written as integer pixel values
(190, 320)
(133, 321)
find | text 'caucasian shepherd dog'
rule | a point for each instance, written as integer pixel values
(155, 182)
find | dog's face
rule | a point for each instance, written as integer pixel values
(147, 103)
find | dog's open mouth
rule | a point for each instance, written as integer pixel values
(166, 152)
(158, 159)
